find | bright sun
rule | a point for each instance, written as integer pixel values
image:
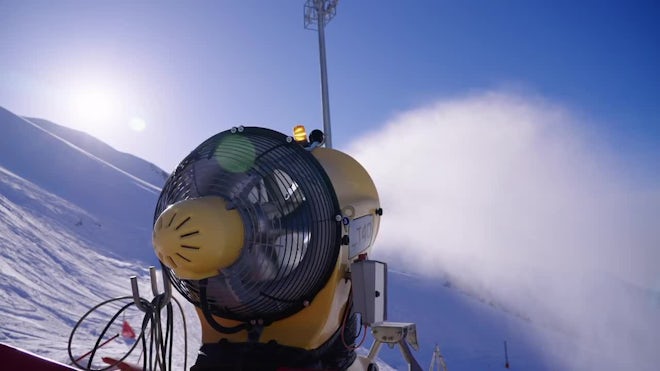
(99, 110)
(95, 105)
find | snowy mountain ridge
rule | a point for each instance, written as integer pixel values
(126, 163)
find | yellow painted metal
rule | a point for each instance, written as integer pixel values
(198, 237)
(356, 191)
(306, 329)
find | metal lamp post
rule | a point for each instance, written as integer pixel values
(318, 13)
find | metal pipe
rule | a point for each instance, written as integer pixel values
(324, 74)
(154, 280)
(136, 295)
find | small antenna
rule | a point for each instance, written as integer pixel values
(318, 13)
(506, 356)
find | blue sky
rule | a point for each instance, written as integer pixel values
(186, 70)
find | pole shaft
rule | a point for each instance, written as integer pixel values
(324, 75)
(100, 345)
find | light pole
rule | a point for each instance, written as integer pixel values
(319, 13)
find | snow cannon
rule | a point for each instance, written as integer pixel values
(268, 235)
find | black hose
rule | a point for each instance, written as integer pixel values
(159, 353)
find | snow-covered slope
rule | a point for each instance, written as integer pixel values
(125, 161)
(49, 275)
(75, 224)
(116, 190)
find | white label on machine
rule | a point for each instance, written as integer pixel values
(360, 232)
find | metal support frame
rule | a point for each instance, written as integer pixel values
(393, 333)
(437, 361)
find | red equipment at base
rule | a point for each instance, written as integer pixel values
(18, 359)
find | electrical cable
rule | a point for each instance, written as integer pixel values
(347, 310)
(209, 317)
(159, 353)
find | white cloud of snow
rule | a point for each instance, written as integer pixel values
(509, 197)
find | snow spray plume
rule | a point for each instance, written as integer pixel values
(508, 198)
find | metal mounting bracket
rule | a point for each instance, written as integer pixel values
(166, 294)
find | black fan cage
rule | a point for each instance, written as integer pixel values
(289, 211)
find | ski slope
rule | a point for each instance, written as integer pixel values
(75, 224)
(62, 245)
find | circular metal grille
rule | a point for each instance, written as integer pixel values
(288, 207)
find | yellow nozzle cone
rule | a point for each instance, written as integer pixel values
(198, 237)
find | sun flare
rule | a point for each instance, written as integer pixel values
(137, 124)
(94, 105)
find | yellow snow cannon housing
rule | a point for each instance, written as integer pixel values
(314, 325)
(221, 232)
(358, 198)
